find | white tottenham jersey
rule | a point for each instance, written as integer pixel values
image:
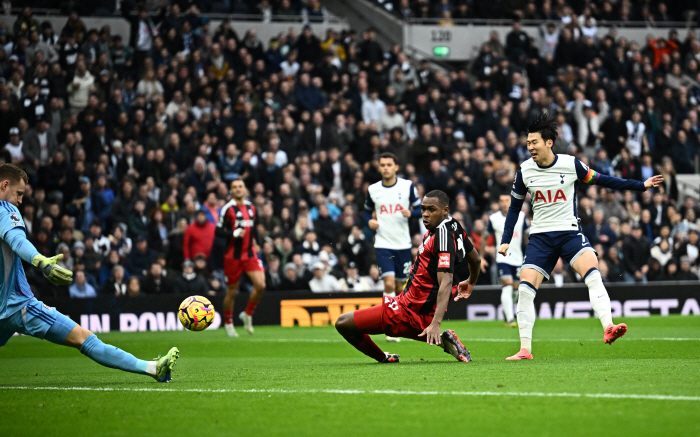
(495, 227)
(388, 202)
(552, 194)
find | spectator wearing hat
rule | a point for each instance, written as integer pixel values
(352, 280)
(684, 272)
(189, 282)
(14, 147)
(198, 237)
(291, 280)
(140, 257)
(323, 282)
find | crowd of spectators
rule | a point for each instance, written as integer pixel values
(585, 13)
(264, 10)
(130, 146)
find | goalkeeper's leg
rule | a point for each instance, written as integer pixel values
(108, 355)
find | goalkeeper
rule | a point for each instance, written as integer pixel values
(21, 312)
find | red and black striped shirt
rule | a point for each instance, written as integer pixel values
(443, 248)
(238, 216)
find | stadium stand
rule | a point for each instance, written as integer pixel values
(127, 137)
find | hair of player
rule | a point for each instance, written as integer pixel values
(12, 173)
(439, 195)
(545, 125)
(388, 155)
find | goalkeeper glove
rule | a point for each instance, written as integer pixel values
(54, 273)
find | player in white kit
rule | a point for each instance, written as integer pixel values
(508, 266)
(551, 181)
(394, 200)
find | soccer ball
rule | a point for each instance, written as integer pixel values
(196, 313)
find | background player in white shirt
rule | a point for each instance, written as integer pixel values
(508, 266)
(551, 181)
(393, 200)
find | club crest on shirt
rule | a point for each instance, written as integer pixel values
(14, 217)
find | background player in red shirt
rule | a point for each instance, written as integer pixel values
(418, 312)
(237, 223)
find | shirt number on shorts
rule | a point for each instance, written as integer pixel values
(583, 239)
(391, 303)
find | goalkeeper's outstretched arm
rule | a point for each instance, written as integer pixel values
(17, 239)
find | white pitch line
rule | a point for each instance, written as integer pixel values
(470, 340)
(377, 392)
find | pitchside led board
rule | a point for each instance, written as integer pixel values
(303, 308)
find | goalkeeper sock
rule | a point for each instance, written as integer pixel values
(507, 302)
(526, 313)
(112, 356)
(250, 308)
(228, 317)
(600, 301)
(370, 348)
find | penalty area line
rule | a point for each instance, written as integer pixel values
(650, 397)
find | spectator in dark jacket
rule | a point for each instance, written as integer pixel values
(140, 258)
(189, 282)
(155, 283)
(599, 232)
(308, 96)
(291, 281)
(636, 252)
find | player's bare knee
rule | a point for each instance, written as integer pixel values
(342, 324)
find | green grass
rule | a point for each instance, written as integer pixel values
(281, 377)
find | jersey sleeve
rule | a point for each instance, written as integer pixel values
(519, 189)
(224, 229)
(526, 223)
(592, 177)
(517, 197)
(369, 203)
(10, 219)
(369, 207)
(13, 232)
(445, 250)
(413, 196)
(489, 228)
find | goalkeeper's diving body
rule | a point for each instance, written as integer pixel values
(21, 312)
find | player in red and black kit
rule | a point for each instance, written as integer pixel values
(237, 224)
(417, 313)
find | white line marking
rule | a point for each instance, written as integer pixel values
(380, 392)
(470, 340)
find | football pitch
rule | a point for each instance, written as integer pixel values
(309, 382)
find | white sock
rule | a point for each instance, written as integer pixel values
(600, 301)
(151, 368)
(507, 302)
(526, 314)
(392, 294)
